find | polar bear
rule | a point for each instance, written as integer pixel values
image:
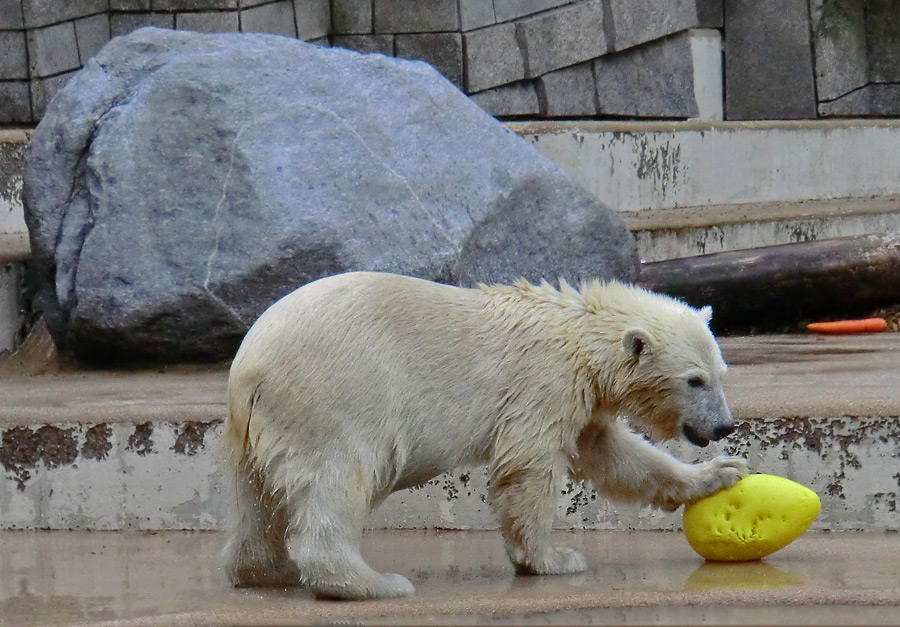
(361, 384)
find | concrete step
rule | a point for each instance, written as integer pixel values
(139, 450)
(687, 231)
(688, 188)
(632, 166)
(174, 579)
(13, 236)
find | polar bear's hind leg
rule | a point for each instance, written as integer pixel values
(256, 553)
(328, 516)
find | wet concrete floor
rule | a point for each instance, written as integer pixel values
(66, 578)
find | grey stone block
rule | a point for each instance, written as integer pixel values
(366, 44)
(638, 21)
(124, 23)
(569, 92)
(351, 17)
(562, 37)
(506, 10)
(841, 51)
(15, 103)
(883, 27)
(313, 19)
(52, 50)
(415, 16)
(872, 100)
(768, 61)
(442, 50)
(710, 13)
(276, 18)
(322, 42)
(512, 100)
(493, 57)
(91, 33)
(43, 12)
(475, 14)
(655, 80)
(130, 5)
(193, 5)
(11, 15)
(43, 90)
(246, 4)
(208, 21)
(13, 59)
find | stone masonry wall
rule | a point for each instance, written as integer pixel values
(655, 59)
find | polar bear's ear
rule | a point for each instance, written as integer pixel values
(636, 342)
(706, 313)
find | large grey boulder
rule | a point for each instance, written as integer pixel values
(181, 183)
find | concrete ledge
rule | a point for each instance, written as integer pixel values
(141, 450)
(632, 166)
(688, 231)
(656, 219)
(14, 247)
(12, 162)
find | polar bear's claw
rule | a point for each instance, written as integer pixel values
(722, 472)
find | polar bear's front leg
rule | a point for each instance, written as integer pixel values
(624, 466)
(525, 500)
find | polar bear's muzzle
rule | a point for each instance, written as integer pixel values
(710, 420)
(721, 431)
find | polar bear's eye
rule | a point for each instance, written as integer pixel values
(696, 382)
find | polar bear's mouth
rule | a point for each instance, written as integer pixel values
(695, 438)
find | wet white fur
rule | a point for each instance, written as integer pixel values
(361, 384)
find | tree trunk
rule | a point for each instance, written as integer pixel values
(780, 288)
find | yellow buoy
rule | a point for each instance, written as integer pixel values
(755, 517)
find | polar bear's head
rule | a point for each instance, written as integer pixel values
(670, 369)
(679, 370)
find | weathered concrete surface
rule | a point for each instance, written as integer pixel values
(688, 231)
(174, 579)
(13, 246)
(12, 155)
(140, 450)
(10, 304)
(632, 165)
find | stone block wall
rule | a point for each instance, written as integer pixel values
(43, 42)
(554, 58)
(655, 59)
(857, 56)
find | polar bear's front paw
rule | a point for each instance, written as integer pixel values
(695, 481)
(555, 561)
(720, 473)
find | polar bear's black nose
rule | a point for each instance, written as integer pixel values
(723, 430)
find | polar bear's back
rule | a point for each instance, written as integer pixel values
(362, 357)
(340, 311)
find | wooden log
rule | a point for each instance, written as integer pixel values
(780, 288)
